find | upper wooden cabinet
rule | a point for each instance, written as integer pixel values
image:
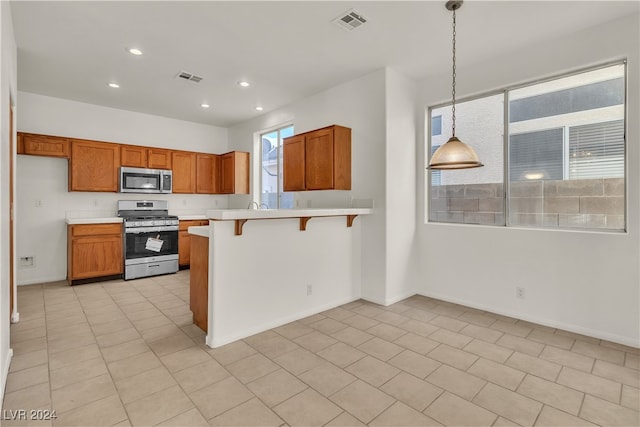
(133, 156)
(318, 160)
(43, 145)
(184, 172)
(159, 158)
(207, 173)
(234, 174)
(93, 166)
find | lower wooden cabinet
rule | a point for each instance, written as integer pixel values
(93, 251)
(184, 240)
(199, 281)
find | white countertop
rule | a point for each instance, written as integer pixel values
(230, 214)
(192, 217)
(105, 220)
(202, 230)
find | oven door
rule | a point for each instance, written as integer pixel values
(150, 244)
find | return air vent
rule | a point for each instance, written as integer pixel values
(350, 20)
(188, 76)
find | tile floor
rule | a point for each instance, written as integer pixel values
(126, 353)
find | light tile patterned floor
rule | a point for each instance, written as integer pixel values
(127, 353)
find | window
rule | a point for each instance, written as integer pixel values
(564, 165)
(271, 194)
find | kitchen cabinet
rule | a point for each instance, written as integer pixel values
(184, 172)
(199, 281)
(43, 145)
(207, 173)
(318, 160)
(133, 156)
(158, 158)
(184, 240)
(234, 174)
(94, 251)
(93, 166)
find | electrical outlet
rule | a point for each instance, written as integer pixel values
(95, 202)
(27, 261)
(520, 292)
(38, 203)
(309, 290)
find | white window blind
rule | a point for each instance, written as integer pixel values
(597, 150)
(536, 155)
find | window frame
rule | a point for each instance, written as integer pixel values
(506, 152)
(257, 196)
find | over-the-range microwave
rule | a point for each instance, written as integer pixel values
(139, 180)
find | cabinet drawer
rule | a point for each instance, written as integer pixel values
(78, 230)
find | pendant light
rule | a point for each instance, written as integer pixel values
(454, 154)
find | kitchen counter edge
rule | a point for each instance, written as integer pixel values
(110, 220)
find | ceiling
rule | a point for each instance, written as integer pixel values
(288, 50)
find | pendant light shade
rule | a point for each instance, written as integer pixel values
(454, 154)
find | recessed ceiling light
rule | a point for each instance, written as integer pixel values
(205, 105)
(244, 83)
(259, 108)
(114, 85)
(135, 51)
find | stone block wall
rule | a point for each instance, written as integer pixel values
(580, 203)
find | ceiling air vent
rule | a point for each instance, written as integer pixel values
(188, 76)
(350, 20)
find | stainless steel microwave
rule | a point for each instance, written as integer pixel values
(139, 180)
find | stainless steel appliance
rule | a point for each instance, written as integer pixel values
(138, 180)
(150, 238)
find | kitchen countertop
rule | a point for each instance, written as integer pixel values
(104, 220)
(202, 230)
(232, 214)
(192, 217)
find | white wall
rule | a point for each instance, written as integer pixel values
(283, 261)
(8, 89)
(580, 281)
(400, 186)
(360, 105)
(41, 231)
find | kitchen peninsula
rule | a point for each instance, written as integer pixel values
(265, 268)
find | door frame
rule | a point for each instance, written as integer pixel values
(13, 314)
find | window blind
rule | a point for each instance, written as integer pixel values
(597, 150)
(536, 155)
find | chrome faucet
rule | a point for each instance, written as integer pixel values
(252, 204)
(264, 206)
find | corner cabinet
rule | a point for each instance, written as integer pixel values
(318, 160)
(93, 166)
(184, 240)
(234, 175)
(94, 251)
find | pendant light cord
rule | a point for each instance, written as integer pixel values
(453, 91)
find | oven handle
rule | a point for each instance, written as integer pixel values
(138, 230)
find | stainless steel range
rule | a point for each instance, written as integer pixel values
(150, 238)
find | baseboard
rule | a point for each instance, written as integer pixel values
(540, 321)
(5, 373)
(41, 280)
(220, 341)
(388, 301)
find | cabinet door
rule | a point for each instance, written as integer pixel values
(184, 172)
(93, 166)
(293, 163)
(43, 145)
(319, 160)
(184, 248)
(96, 256)
(135, 157)
(234, 173)
(207, 173)
(227, 173)
(158, 158)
